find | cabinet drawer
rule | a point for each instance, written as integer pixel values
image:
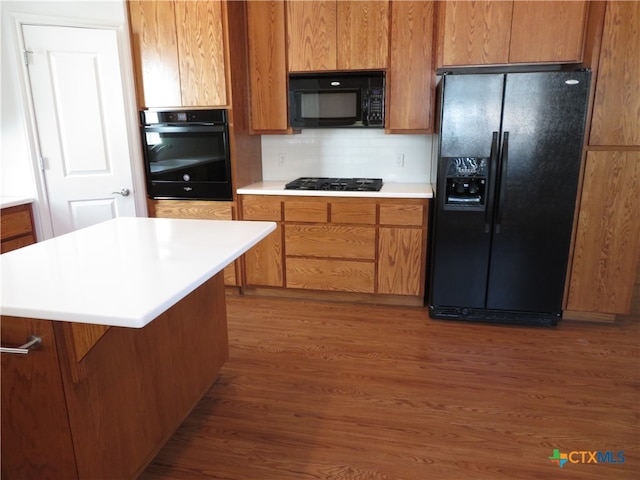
(334, 275)
(311, 211)
(193, 209)
(391, 214)
(261, 207)
(353, 212)
(15, 243)
(330, 241)
(16, 221)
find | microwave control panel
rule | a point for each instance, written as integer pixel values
(375, 114)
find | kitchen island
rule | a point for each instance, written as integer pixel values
(132, 320)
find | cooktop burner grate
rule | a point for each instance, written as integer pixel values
(338, 184)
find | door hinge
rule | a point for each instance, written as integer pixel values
(41, 163)
(25, 54)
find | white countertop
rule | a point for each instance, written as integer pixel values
(389, 190)
(123, 272)
(7, 201)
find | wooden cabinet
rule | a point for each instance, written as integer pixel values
(402, 246)
(17, 228)
(341, 245)
(343, 35)
(263, 264)
(411, 72)
(607, 246)
(605, 270)
(616, 110)
(337, 35)
(491, 32)
(330, 244)
(34, 411)
(203, 210)
(179, 52)
(107, 414)
(267, 66)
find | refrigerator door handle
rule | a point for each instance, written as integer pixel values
(504, 158)
(493, 159)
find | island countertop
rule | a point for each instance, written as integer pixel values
(122, 272)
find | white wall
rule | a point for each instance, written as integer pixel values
(347, 153)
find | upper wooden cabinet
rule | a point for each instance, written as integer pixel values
(616, 110)
(411, 74)
(499, 32)
(337, 35)
(179, 52)
(267, 66)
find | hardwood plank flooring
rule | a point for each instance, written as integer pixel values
(316, 390)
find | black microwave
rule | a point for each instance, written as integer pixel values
(337, 99)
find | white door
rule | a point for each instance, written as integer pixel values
(78, 102)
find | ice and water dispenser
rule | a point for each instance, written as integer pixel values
(465, 183)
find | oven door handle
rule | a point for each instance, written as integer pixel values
(186, 129)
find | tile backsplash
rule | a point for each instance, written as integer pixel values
(347, 153)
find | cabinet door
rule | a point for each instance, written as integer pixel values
(311, 35)
(400, 261)
(36, 436)
(547, 31)
(617, 102)
(410, 77)
(264, 264)
(607, 245)
(201, 56)
(267, 66)
(155, 53)
(475, 32)
(363, 34)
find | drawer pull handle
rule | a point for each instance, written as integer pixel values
(33, 343)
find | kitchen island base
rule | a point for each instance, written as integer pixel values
(107, 414)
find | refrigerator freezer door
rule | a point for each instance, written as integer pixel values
(544, 117)
(471, 113)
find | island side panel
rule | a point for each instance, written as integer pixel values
(140, 384)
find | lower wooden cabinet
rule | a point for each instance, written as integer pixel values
(17, 228)
(263, 264)
(202, 209)
(338, 244)
(400, 261)
(607, 246)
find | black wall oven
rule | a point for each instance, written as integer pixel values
(186, 154)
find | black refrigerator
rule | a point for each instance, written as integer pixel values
(508, 163)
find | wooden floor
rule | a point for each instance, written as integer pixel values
(341, 391)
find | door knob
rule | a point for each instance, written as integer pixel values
(124, 192)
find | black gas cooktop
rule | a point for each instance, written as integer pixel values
(344, 184)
